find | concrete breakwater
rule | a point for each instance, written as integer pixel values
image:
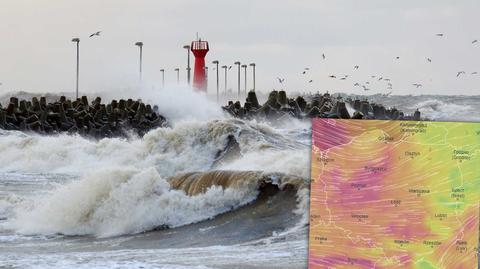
(94, 119)
(279, 105)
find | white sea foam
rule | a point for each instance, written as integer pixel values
(118, 201)
(439, 110)
(123, 187)
(289, 254)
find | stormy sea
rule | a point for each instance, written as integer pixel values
(173, 198)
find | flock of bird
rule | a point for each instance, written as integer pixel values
(389, 85)
(365, 86)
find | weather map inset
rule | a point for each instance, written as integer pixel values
(394, 194)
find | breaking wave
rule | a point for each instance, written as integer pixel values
(170, 178)
(447, 111)
(119, 201)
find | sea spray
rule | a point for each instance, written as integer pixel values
(119, 201)
(440, 110)
(176, 103)
(188, 146)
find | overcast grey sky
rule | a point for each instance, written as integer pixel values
(282, 37)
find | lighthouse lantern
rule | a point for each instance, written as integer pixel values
(199, 49)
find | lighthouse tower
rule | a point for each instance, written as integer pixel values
(199, 49)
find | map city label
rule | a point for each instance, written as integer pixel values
(461, 155)
(401, 242)
(325, 159)
(360, 217)
(412, 154)
(385, 138)
(375, 169)
(320, 239)
(432, 243)
(419, 192)
(458, 193)
(358, 186)
(413, 127)
(461, 246)
(441, 216)
(396, 202)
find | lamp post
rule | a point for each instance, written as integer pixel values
(77, 40)
(238, 63)
(163, 77)
(218, 86)
(253, 66)
(178, 75)
(226, 68)
(245, 77)
(187, 47)
(140, 45)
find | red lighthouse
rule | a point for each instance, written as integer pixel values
(199, 49)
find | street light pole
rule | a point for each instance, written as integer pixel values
(225, 67)
(77, 40)
(245, 76)
(163, 77)
(178, 75)
(253, 66)
(218, 86)
(238, 63)
(140, 45)
(187, 47)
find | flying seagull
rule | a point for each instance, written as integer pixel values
(473, 73)
(429, 60)
(386, 79)
(356, 84)
(96, 34)
(344, 78)
(230, 67)
(440, 35)
(310, 81)
(281, 80)
(474, 41)
(304, 72)
(380, 78)
(307, 68)
(417, 85)
(398, 57)
(323, 56)
(356, 67)
(460, 73)
(332, 76)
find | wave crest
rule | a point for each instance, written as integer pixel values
(120, 201)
